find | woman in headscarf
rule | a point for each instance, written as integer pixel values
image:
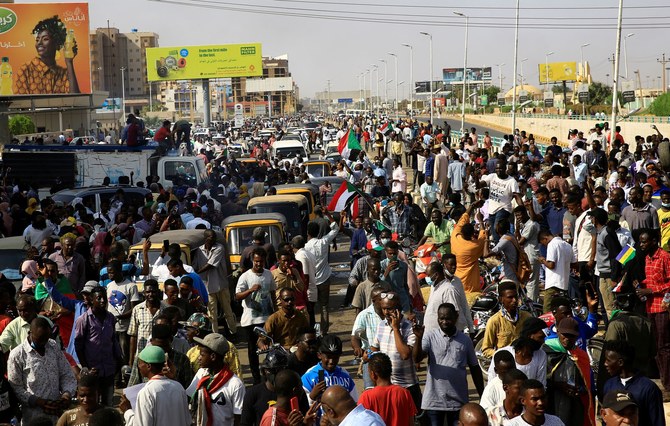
(29, 271)
(100, 249)
(243, 198)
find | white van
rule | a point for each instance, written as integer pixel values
(289, 149)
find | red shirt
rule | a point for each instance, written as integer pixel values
(274, 417)
(657, 271)
(393, 403)
(161, 134)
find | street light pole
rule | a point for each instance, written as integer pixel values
(546, 69)
(386, 78)
(430, 37)
(411, 78)
(581, 49)
(516, 56)
(395, 57)
(500, 74)
(377, 90)
(625, 52)
(615, 76)
(123, 91)
(465, 69)
(372, 104)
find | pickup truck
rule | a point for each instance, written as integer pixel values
(88, 165)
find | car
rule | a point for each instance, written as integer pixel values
(312, 125)
(82, 140)
(12, 255)
(93, 196)
(289, 149)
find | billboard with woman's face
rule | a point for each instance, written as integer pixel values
(44, 49)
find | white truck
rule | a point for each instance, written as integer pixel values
(78, 166)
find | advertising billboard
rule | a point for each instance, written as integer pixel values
(44, 49)
(557, 71)
(203, 62)
(277, 84)
(475, 75)
(109, 105)
(424, 86)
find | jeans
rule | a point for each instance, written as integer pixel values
(367, 381)
(106, 390)
(323, 298)
(494, 219)
(252, 341)
(437, 418)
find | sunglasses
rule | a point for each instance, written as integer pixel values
(389, 296)
(289, 299)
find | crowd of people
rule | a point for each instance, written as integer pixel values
(581, 223)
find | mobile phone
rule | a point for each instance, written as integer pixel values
(322, 376)
(295, 406)
(166, 245)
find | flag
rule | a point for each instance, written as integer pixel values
(379, 226)
(626, 254)
(386, 128)
(374, 245)
(617, 288)
(349, 147)
(354, 207)
(343, 197)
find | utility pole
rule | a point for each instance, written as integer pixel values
(328, 100)
(663, 61)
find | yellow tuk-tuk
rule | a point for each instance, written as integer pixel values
(294, 207)
(239, 228)
(317, 168)
(309, 191)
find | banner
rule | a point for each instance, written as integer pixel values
(628, 91)
(44, 49)
(557, 71)
(204, 62)
(424, 86)
(583, 93)
(110, 105)
(475, 75)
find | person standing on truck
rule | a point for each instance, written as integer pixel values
(163, 135)
(181, 132)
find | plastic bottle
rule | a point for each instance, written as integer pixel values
(69, 45)
(5, 77)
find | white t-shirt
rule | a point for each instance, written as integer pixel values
(549, 420)
(226, 401)
(535, 369)
(493, 394)
(501, 192)
(259, 305)
(559, 252)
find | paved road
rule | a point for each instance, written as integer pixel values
(455, 123)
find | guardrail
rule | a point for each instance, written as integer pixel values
(497, 142)
(632, 119)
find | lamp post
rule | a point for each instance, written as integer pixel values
(364, 104)
(516, 56)
(500, 74)
(386, 77)
(521, 65)
(395, 57)
(546, 69)
(123, 91)
(377, 90)
(430, 37)
(581, 50)
(372, 104)
(411, 78)
(465, 68)
(625, 52)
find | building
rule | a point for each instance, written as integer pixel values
(117, 56)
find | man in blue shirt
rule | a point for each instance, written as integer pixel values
(619, 356)
(561, 307)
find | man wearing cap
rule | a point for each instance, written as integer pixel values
(217, 393)
(330, 351)
(96, 343)
(161, 401)
(619, 356)
(570, 378)
(619, 408)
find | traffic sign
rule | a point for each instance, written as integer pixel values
(345, 101)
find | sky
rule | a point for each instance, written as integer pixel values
(338, 40)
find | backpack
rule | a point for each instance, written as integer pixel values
(523, 267)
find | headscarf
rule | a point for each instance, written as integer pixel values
(243, 197)
(99, 246)
(29, 270)
(32, 206)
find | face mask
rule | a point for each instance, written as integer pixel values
(384, 241)
(448, 274)
(666, 205)
(616, 217)
(429, 281)
(37, 347)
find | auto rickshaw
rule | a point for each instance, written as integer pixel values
(238, 230)
(308, 190)
(317, 168)
(294, 207)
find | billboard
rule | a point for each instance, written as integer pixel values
(278, 84)
(475, 75)
(202, 62)
(109, 105)
(557, 71)
(44, 49)
(424, 86)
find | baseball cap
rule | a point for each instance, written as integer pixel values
(197, 320)
(569, 326)
(214, 342)
(599, 214)
(617, 400)
(152, 355)
(90, 285)
(330, 344)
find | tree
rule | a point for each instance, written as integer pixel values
(599, 93)
(21, 125)
(661, 105)
(492, 93)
